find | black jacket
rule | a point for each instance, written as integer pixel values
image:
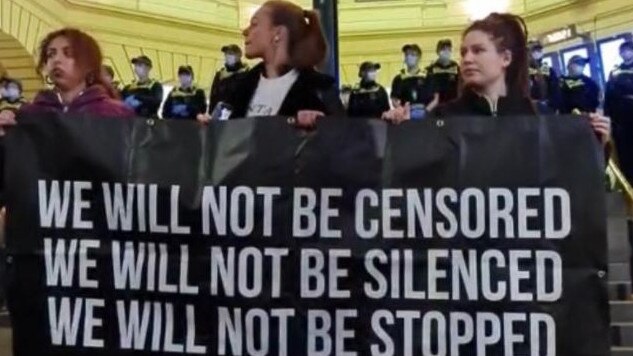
(150, 95)
(225, 83)
(471, 103)
(368, 100)
(192, 97)
(581, 93)
(445, 79)
(311, 91)
(618, 101)
(544, 84)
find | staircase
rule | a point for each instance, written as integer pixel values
(619, 229)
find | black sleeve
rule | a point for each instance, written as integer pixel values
(396, 87)
(554, 90)
(594, 92)
(153, 100)
(200, 102)
(166, 113)
(351, 107)
(213, 93)
(608, 96)
(384, 100)
(332, 102)
(125, 92)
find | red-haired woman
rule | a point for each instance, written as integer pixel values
(72, 61)
(290, 44)
(494, 72)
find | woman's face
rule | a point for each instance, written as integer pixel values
(61, 66)
(482, 64)
(259, 36)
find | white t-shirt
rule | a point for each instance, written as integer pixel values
(270, 94)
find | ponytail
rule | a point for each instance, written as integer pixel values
(307, 47)
(509, 32)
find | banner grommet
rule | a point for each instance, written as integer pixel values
(439, 123)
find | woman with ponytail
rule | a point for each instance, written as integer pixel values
(290, 43)
(494, 73)
(71, 61)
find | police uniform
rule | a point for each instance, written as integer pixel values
(11, 105)
(618, 105)
(150, 94)
(544, 85)
(412, 88)
(193, 98)
(225, 83)
(368, 100)
(579, 93)
(445, 78)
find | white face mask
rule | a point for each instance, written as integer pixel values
(185, 80)
(141, 70)
(371, 76)
(411, 60)
(230, 59)
(576, 70)
(445, 55)
(12, 93)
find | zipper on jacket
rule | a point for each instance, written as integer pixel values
(493, 104)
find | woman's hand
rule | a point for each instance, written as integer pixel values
(306, 119)
(398, 115)
(7, 119)
(601, 126)
(203, 118)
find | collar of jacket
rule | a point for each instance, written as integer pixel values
(308, 80)
(512, 104)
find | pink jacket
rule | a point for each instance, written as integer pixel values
(94, 101)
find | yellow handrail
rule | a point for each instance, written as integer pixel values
(621, 179)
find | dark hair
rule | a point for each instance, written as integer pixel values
(306, 44)
(442, 44)
(626, 45)
(86, 53)
(508, 32)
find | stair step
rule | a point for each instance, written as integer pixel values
(619, 290)
(622, 351)
(619, 272)
(618, 241)
(621, 311)
(622, 334)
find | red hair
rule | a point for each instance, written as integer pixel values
(85, 51)
(307, 47)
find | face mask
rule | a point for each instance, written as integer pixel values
(371, 76)
(445, 55)
(185, 80)
(411, 60)
(3, 92)
(13, 93)
(575, 70)
(537, 55)
(141, 70)
(627, 55)
(230, 60)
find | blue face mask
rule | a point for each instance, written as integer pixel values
(13, 93)
(411, 60)
(445, 55)
(371, 76)
(576, 70)
(230, 60)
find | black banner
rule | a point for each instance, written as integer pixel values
(460, 236)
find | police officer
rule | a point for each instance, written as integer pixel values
(108, 75)
(619, 105)
(368, 99)
(144, 95)
(225, 80)
(444, 72)
(412, 86)
(544, 82)
(12, 99)
(185, 101)
(578, 91)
